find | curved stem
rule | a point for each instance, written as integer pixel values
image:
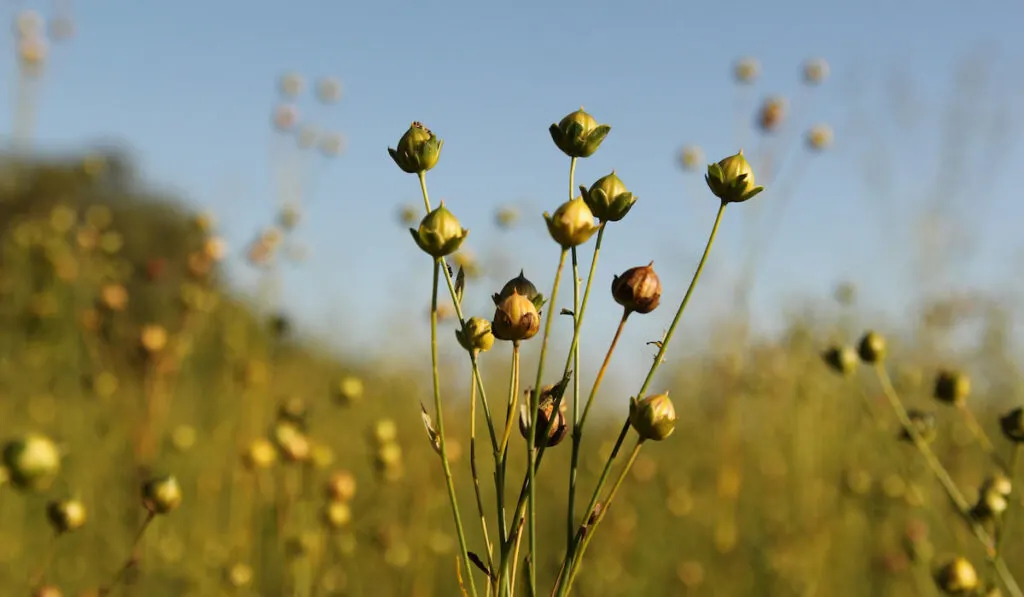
(962, 505)
(1011, 473)
(577, 430)
(979, 434)
(133, 557)
(476, 475)
(442, 441)
(587, 535)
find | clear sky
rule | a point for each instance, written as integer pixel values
(924, 98)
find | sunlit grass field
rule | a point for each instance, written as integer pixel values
(165, 434)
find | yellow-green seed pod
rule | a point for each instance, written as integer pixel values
(872, 347)
(340, 487)
(33, 462)
(439, 233)
(476, 336)
(732, 179)
(578, 135)
(66, 515)
(418, 150)
(515, 319)
(952, 387)
(654, 417)
(608, 198)
(336, 515)
(523, 286)
(572, 223)
(260, 454)
(957, 577)
(161, 495)
(350, 389)
(841, 359)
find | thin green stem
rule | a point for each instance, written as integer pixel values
(133, 557)
(513, 400)
(575, 351)
(445, 464)
(979, 434)
(1011, 473)
(962, 505)
(588, 535)
(531, 470)
(476, 476)
(577, 430)
(40, 573)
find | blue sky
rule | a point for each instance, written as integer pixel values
(190, 85)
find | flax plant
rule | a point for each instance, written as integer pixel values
(519, 309)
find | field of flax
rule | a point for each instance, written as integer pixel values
(165, 435)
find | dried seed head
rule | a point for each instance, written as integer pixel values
(772, 114)
(957, 577)
(161, 495)
(572, 223)
(515, 319)
(746, 70)
(654, 417)
(66, 515)
(33, 462)
(732, 179)
(239, 575)
(418, 150)
(637, 289)
(841, 359)
(578, 135)
(952, 387)
(546, 415)
(871, 348)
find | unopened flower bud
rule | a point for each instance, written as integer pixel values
(1012, 424)
(578, 135)
(842, 359)
(957, 577)
(521, 285)
(418, 149)
(476, 336)
(66, 515)
(546, 415)
(439, 233)
(515, 319)
(572, 223)
(871, 348)
(637, 289)
(654, 417)
(161, 495)
(608, 198)
(924, 423)
(732, 179)
(952, 387)
(33, 462)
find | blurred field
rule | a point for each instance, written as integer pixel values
(305, 472)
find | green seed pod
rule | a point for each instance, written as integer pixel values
(952, 387)
(637, 289)
(572, 224)
(476, 335)
(33, 462)
(260, 454)
(161, 495)
(871, 348)
(65, 515)
(924, 423)
(990, 505)
(1012, 424)
(608, 198)
(340, 487)
(515, 319)
(545, 413)
(348, 390)
(418, 149)
(957, 577)
(842, 360)
(439, 233)
(336, 515)
(732, 179)
(239, 575)
(521, 285)
(578, 135)
(654, 417)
